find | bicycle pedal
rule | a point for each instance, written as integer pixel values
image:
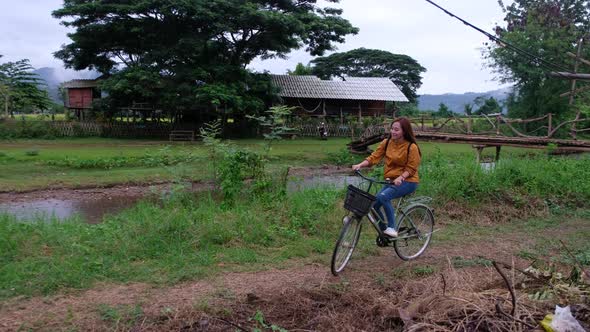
(382, 241)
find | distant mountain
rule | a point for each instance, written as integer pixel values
(456, 102)
(54, 77)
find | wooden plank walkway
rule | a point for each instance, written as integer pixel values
(361, 146)
(532, 142)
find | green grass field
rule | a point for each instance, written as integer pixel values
(83, 162)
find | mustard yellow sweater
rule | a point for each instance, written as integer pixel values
(397, 160)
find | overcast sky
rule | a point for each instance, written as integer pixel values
(449, 50)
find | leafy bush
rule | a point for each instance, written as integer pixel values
(27, 129)
(234, 168)
(32, 152)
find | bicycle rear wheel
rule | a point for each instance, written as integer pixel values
(414, 232)
(349, 237)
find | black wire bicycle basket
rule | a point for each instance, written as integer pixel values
(358, 201)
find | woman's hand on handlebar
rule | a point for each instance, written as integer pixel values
(360, 165)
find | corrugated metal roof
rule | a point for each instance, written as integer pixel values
(74, 84)
(354, 88)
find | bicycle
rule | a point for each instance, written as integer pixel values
(416, 225)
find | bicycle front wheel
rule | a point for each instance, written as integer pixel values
(414, 232)
(349, 237)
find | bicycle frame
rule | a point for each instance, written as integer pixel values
(375, 219)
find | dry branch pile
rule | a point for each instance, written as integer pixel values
(472, 299)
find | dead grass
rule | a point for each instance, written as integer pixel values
(491, 213)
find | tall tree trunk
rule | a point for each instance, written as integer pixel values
(6, 105)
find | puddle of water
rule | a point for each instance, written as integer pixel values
(92, 211)
(488, 167)
(337, 181)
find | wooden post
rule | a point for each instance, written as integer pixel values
(549, 125)
(360, 114)
(498, 125)
(573, 89)
(498, 147)
(469, 124)
(341, 117)
(422, 121)
(478, 150)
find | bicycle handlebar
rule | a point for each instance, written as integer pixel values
(358, 172)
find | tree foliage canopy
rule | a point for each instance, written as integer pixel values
(158, 49)
(443, 111)
(301, 69)
(487, 105)
(403, 70)
(547, 29)
(20, 87)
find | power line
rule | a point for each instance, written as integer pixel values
(547, 64)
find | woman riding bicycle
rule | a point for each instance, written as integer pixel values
(402, 159)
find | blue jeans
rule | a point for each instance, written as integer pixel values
(388, 193)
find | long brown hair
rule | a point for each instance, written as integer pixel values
(408, 131)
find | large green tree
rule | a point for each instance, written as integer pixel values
(403, 70)
(21, 89)
(546, 29)
(180, 53)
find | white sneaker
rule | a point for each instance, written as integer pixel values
(345, 220)
(390, 232)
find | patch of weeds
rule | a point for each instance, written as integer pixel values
(120, 316)
(167, 311)
(553, 206)
(525, 254)
(400, 273)
(32, 152)
(240, 255)
(341, 286)
(258, 318)
(461, 262)
(540, 224)
(2, 154)
(203, 305)
(380, 279)
(423, 271)
(342, 157)
(321, 246)
(224, 312)
(224, 293)
(299, 250)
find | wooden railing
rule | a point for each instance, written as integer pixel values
(496, 124)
